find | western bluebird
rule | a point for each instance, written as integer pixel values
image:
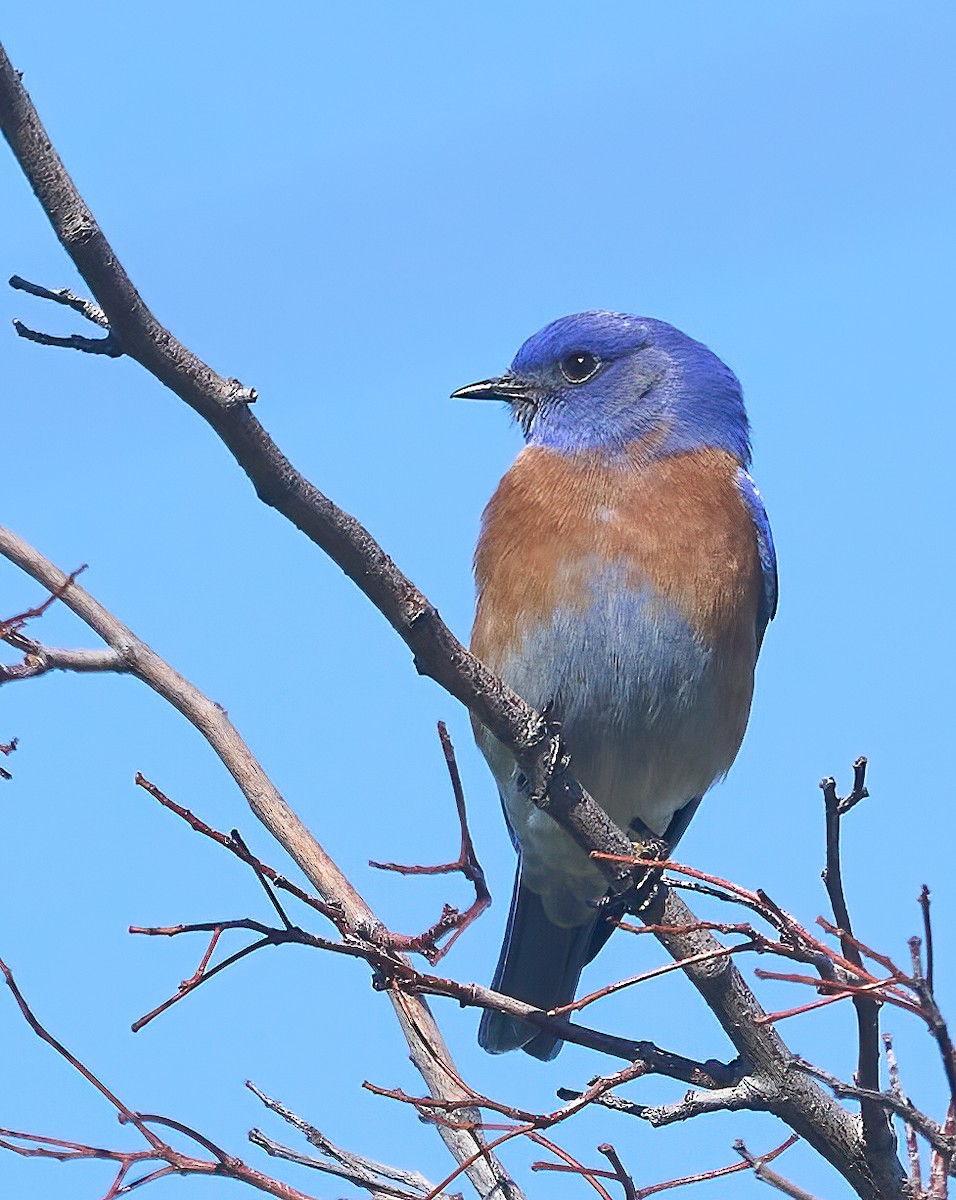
(626, 575)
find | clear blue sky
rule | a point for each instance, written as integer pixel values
(357, 210)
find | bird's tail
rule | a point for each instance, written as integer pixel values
(540, 964)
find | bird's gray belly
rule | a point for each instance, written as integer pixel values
(636, 691)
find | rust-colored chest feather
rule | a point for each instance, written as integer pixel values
(676, 526)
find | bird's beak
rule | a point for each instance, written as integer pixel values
(508, 388)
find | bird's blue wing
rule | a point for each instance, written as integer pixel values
(768, 556)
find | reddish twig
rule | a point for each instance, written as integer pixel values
(389, 969)
(654, 973)
(16, 623)
(269, 936)
(159, 1151)
(763, 1172)
(666, 864)
(618, 1174)
(570, 1163)
(881, 988)
(867, 951)
(438, 1110)
(247, 856)
(74, 1062)
(241, 852)
(825, 957)
(716, 1173)
(451, 920)
(796, 941)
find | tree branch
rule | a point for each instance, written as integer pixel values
(892, 1101)
(374, 1177)
(39, 660)
(223, 403)
(877, 1132)
(427, 1047)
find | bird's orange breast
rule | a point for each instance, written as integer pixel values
(676, 525)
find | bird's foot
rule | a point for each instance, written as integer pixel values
(648, 885)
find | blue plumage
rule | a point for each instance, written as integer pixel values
(626, 575)
(651, 377)
(765, 547)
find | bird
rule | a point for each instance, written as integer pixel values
(625, 576)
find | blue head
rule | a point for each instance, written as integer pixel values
(603, 380)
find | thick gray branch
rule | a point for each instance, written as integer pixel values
(223, 403)
(747, 1095)
(891, 1102)
(428, 1050)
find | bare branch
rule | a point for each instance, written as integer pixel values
(86, 308)
(451, 921)
(626, 1182)
(375, 1177)
(427, 1047)
(933, 1017)
(108, 345)
(891, 1101)
(40, 1146)
(223, 403)
(39, 660)
(896, 1091)
(877, 1133)
(569, 1163)
(717, 1173)
(260, 874)
(831, 1131)
(763, 1172)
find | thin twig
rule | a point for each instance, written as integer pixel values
(626, 1182)
(877, 1133)
(246, 854)
(896, 1090)
(927, 934)
(86, 308)
(222, 1164)
(358, 1169)
(109, 345)
(716, 1173)
(451, 920)
(763, 1172)
(933, 1017)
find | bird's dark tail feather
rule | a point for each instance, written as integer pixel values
(541, 964)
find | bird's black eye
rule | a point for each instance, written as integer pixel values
(579, 367)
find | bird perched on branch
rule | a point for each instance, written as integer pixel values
(625, 574)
